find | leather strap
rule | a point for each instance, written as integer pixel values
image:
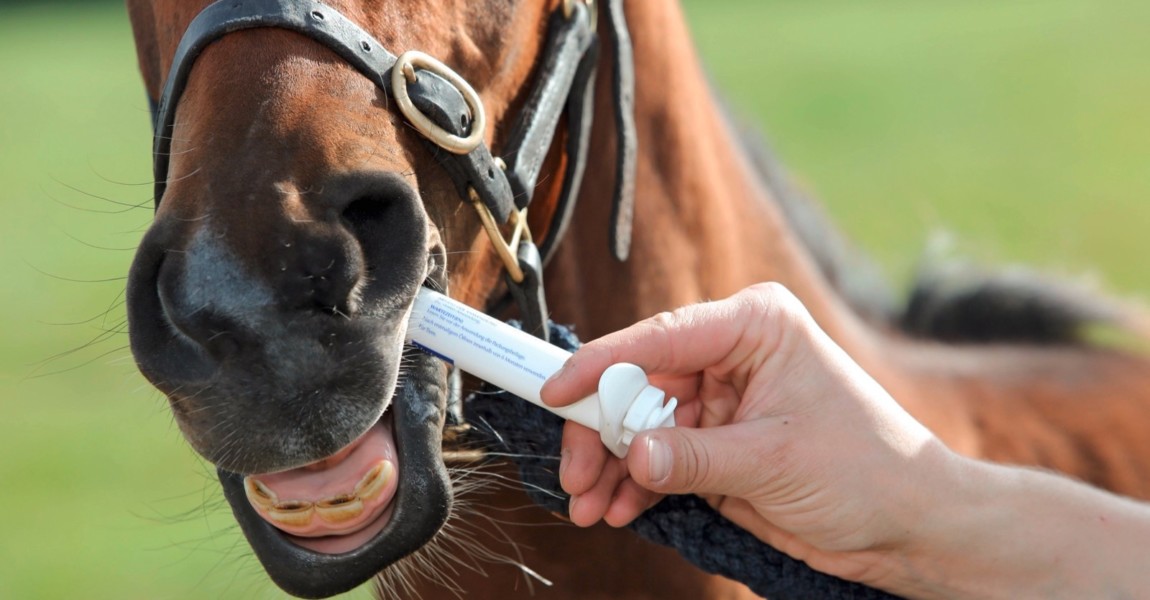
(580, 110)
(527, 146)
(626, 138)
(444, 105)
(529, 292)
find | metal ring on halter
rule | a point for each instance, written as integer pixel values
(404, 70)
(505, 249)
(592, 9)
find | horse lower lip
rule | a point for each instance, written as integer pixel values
(414, 515)
(345, 542)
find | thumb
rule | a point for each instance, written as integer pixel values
(724, 460)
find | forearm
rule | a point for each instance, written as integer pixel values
(1005, 532)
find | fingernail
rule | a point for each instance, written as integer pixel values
(658, 460)
(571, 506)
(545, 391)
(557, 374)
(564, 460)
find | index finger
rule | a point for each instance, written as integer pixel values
(715, 335)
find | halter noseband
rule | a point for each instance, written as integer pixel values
(450, 116)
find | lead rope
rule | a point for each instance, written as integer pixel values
(532, 437)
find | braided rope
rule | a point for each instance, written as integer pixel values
(686, 523)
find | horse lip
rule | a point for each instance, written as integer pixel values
(420, 507)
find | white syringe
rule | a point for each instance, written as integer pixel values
(519, 363)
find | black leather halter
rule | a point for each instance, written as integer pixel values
(564, 84)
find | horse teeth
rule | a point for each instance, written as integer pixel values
(288, 506)
(259, 494)
(334, 510)
(292, 513)
(376, 479)
(339, 509)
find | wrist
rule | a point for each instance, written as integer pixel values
(952, 551)
(939, 500)
(1009, 532)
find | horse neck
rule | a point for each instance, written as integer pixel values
(1079, 410)
(705, 226)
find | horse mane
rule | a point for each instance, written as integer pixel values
(949, 301)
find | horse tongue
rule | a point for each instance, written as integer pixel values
(329, 505)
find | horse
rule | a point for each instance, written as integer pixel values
(302, 202)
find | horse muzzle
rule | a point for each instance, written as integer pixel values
(281, 353)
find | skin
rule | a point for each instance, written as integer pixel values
(784, 434)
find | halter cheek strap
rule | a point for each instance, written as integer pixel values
(449, 114)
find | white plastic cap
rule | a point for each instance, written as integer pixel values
(628, 404)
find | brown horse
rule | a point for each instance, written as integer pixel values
(299, 210)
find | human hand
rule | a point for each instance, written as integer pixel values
(778, 429)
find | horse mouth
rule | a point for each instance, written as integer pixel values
(338, 503)
(292, 384)
(333, 524)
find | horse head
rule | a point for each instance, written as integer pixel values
(299, 210)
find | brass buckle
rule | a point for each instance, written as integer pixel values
(403, 71)
(505, 248)
(592, 10)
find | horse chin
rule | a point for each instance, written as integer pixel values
(397, 514)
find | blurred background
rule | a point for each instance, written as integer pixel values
(1019, 129)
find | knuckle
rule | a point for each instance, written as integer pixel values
(770, 289)
(774, 298)
(696, 463)
(665, 321)
(664, 327)
(774, 303)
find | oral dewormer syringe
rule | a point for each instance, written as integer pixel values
(519, 363)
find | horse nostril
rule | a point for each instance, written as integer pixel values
(328, 271)
(381, 214)
(364, 211)
(373, 222)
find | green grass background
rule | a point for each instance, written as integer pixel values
(1022, 128)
